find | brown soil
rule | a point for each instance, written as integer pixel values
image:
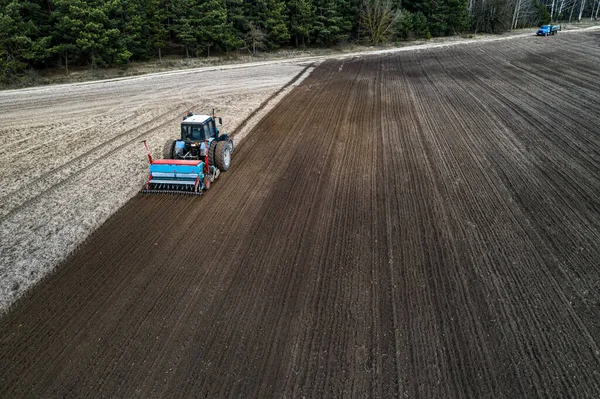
(419, 224)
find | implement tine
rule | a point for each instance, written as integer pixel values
(171, 188)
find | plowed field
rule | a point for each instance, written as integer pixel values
(420, 224)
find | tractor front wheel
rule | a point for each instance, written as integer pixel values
(169, 149)
(223, 155)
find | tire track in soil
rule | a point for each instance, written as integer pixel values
(458, 96)
(515, 184)
(583, 190)
(395, 226)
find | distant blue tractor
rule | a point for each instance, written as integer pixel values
(191, 164)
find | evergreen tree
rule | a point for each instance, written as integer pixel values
(458, 17)
(269, 16)
(131, 19)
(185, 20)
(404, 25)
(11, 47)
(330, 27)
(23, 35)
(302, 16)
(87, 23)
(420, 26)
(444, 17)
(64, 36)
(212, 24)
(157, 25)
(230, 38)
(238, 17)
(185, 33)
(202, 26)
(436, 12)
(348, 11)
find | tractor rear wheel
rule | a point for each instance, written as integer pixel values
(223, 155)
(211, 152)
(168, 149)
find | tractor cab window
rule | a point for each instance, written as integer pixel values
(207, 132)
(193, 132)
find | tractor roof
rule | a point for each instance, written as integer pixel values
(196, 119)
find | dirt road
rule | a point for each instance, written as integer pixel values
(425, 224)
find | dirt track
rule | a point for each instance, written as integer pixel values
(421, 224)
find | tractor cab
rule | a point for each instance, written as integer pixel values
(198, 128)
(198, 132)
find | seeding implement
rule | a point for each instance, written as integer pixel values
(191, 164)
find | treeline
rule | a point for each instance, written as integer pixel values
(97, 33)
(503, 15)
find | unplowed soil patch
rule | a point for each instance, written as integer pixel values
(420, 224)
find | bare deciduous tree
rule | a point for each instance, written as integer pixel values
(378, 19)
(255, 39)
(581, 7)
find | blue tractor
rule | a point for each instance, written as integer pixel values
(193, 162)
